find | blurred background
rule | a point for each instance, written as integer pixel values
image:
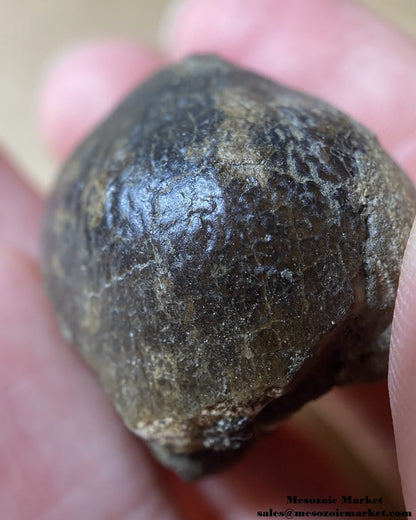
(35, 32)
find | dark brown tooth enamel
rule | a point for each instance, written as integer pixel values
(221, 250)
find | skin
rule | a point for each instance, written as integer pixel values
(63, 451)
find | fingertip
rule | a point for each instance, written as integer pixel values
(402, 383)
(83, 86)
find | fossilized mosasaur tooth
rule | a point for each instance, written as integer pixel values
(221, 250)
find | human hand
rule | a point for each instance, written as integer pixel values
(64, 453)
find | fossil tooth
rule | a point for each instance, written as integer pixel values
(221, 250)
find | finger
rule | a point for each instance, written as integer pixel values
(402, 381)
(305, 457)
(83, 87)
(333, 49)
(20, 211)
(286, 463)
(64, 453)
(359, 417)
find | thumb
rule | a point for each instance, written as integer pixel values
(402, 368)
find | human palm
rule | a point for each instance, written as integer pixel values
(64, 453)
